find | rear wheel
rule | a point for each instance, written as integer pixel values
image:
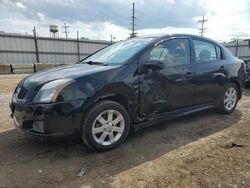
(106, 125)
(229, 99)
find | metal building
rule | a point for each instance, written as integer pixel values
(239, 48)
(27, 49)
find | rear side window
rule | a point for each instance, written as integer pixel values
(172, 52)
(204, 51)
(218, 51)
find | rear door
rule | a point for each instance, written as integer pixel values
(211, 71)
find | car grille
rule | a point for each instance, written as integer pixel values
(22, 92)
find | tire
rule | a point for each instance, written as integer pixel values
(224, 101)
(104, 119)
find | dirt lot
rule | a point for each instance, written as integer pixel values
(203, 150)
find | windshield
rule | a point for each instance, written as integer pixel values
(119, 52)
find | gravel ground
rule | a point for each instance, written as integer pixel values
(203, 150)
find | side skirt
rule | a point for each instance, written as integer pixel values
(172, 115)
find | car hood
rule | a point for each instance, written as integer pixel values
(71, 71)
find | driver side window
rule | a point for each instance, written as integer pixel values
(172, 52)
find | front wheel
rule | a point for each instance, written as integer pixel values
(229, 99)
(105, 126)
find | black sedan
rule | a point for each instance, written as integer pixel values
(127, 86)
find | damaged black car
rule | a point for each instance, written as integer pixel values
(126, 86)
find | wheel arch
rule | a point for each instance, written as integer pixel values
(117, 92)
(116, 97)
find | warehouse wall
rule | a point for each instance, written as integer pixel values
(21, 49)
(242, 50)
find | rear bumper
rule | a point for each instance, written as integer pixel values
(55, 120)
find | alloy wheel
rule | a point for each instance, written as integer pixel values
(108, 127)
(230, 98)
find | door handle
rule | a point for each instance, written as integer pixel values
(222, 68)
(189, 74)
(185, 77)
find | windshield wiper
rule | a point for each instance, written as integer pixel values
(95, 63)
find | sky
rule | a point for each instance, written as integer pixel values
(99, 19)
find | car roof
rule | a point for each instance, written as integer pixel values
(165, 36)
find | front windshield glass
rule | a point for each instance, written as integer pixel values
(119, 52)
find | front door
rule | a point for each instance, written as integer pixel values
(172, 87)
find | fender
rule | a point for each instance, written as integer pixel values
(118, 92)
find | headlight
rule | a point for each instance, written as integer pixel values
(50, 91)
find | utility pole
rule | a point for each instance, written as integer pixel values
(202, 29)
(237, 46)
(36, 45)
(133, 34)
(78, 47)
(112, 38)
(66, 31)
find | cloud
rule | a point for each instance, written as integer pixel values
(160, 13)
(100, 18)
(41, 16)
(20, 5)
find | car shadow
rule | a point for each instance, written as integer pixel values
(56, 163)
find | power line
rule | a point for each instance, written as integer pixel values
(202, 29)
(66, 31)
(241, 29)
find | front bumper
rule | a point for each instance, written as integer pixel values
(57, 119)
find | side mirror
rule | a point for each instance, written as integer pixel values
(154, 64)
